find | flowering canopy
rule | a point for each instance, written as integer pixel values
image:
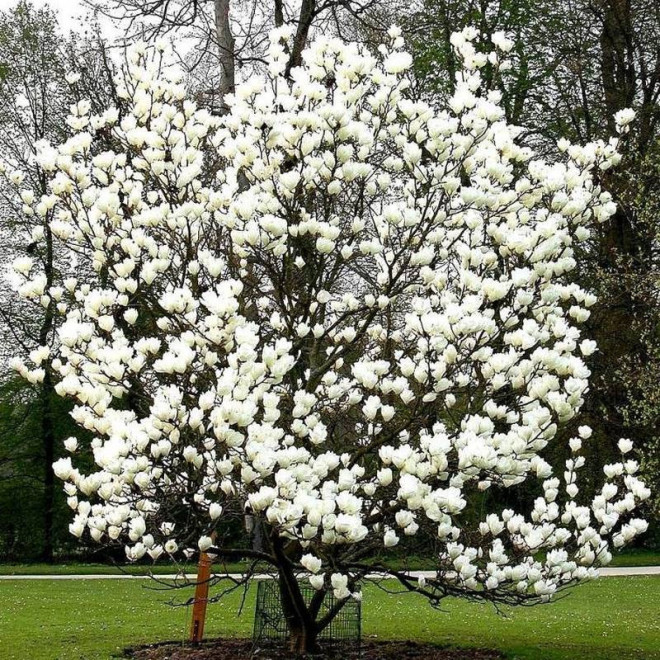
(338, 309)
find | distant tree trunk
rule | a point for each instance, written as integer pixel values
(617, 57)
(279, 13)
(306, 16)
(619, 242)
(47, 416)
(225, 51)
(622, 244)
(48, 440)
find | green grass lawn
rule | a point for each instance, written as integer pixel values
(628, 558)
(637, 558)
(614, 618)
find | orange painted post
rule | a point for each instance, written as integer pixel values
(201, 598)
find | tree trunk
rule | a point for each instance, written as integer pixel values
(303, 632)
(48, 440)
(302, 629)
(305, 18)
(624, 245)
(303, 641)
(279, 13)
(617, 57)
(47, 416)
(225, 51)
(305, 629)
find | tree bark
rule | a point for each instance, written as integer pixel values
(622, 245)
(48, 440)
(47, 421)
(225, 51)
(305, 18)
(618, 68)
(303, 633)
(279, 13)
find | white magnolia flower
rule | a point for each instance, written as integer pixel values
(71, 444)
(624, 117)
(23, 265)
(311, 563)
(625, 445)
(316, 581)
(398, 62)
(204, 543)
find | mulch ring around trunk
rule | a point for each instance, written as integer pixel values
(241, 649)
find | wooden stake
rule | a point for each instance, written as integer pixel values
(201, 598)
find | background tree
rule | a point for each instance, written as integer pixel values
(576, 64)
(41, 75)
(231, 38)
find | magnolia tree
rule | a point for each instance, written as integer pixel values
(339, 311)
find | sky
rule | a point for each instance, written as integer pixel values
(67, 10)
(69, 13)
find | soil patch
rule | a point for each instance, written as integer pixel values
(241, 649)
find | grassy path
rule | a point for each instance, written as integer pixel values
(613, 619)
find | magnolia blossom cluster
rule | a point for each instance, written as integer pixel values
(338, 309)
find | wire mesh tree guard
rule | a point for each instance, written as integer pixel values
(271, 626)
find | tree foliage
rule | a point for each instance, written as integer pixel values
(575, 65)
(339, 310)
(41, 75)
